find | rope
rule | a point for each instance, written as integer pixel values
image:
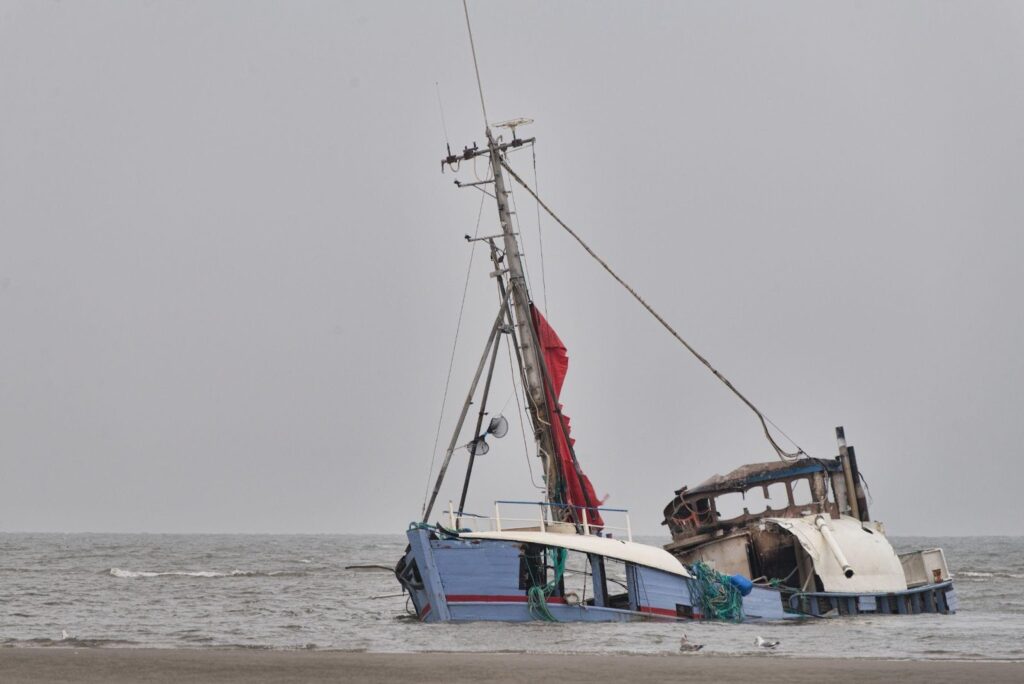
(451, 359)
(537, 595)
(765, 421)
(871, 499)
(718, 598)
(441, 531)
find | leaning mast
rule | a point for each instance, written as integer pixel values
(517, 312)
(531, 360)
(517, 309)
(533, 370)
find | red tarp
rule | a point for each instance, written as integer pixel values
(578, 490)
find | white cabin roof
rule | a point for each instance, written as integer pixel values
(876, 567)
(632, 552)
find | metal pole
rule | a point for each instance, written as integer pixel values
(532, 409)
(479, 424)
(833, 545)
(491, 339)
(851, 489)
(862, 501)
(533, 361)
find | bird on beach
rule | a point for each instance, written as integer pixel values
(64, 636)
(686, 647)
(765, 643)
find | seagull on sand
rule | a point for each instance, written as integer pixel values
(766, 643)
(686, 647)
(64, 636)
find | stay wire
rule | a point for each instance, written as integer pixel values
(440, 107)
(765, 421)
(519, 413)
(451, 360)
(540, 238)
(522, 238)
(476, 65)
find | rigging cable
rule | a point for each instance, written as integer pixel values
(444, 126)
(519, 229)
(765, 421)
(540, 239)
(519, 413)
(476, 67)
(451, 360)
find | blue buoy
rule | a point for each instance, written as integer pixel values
(742, 583)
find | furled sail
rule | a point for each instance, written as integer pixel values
(578, 489)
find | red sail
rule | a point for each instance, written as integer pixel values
(578, 489)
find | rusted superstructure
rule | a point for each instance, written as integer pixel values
(741, 544)
(803, 526)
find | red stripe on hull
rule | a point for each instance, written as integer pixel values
(658, 611)
(487, 598)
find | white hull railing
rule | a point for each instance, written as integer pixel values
(543, 519)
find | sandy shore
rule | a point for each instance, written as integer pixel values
(113, 666)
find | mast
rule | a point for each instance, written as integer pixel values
(533, 370)
(517, 308)
(531, 360)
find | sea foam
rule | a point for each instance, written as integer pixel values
(140, 574)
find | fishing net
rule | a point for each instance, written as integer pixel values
(717, 597)
(537, 595)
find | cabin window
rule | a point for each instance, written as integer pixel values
(754, 500)
(730, 505)
(616, 584)
(778, 496)
(533, 571)
(691, 516)
(802, 492)
(575, 585)
(760, 498)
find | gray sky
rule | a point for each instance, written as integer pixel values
(230, 269)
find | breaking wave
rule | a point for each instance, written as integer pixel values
(145, 574)
(968, 574)
(69, 641)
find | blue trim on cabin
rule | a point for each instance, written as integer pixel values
(744, 483)
(788, 472)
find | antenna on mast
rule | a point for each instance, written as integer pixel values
(512, 124)
(516, 303)
(476, 67)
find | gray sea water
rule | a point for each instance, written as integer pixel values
(295, 592)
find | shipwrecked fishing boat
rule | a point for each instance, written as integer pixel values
(824, 556)
(560, 560)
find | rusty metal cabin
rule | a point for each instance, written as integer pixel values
(705, 527)
(803, 527)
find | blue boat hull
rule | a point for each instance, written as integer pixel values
(464, 580)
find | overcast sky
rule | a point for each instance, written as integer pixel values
(230, 268)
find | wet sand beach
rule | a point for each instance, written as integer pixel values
(114, 666)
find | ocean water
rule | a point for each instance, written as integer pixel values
(296, 592)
